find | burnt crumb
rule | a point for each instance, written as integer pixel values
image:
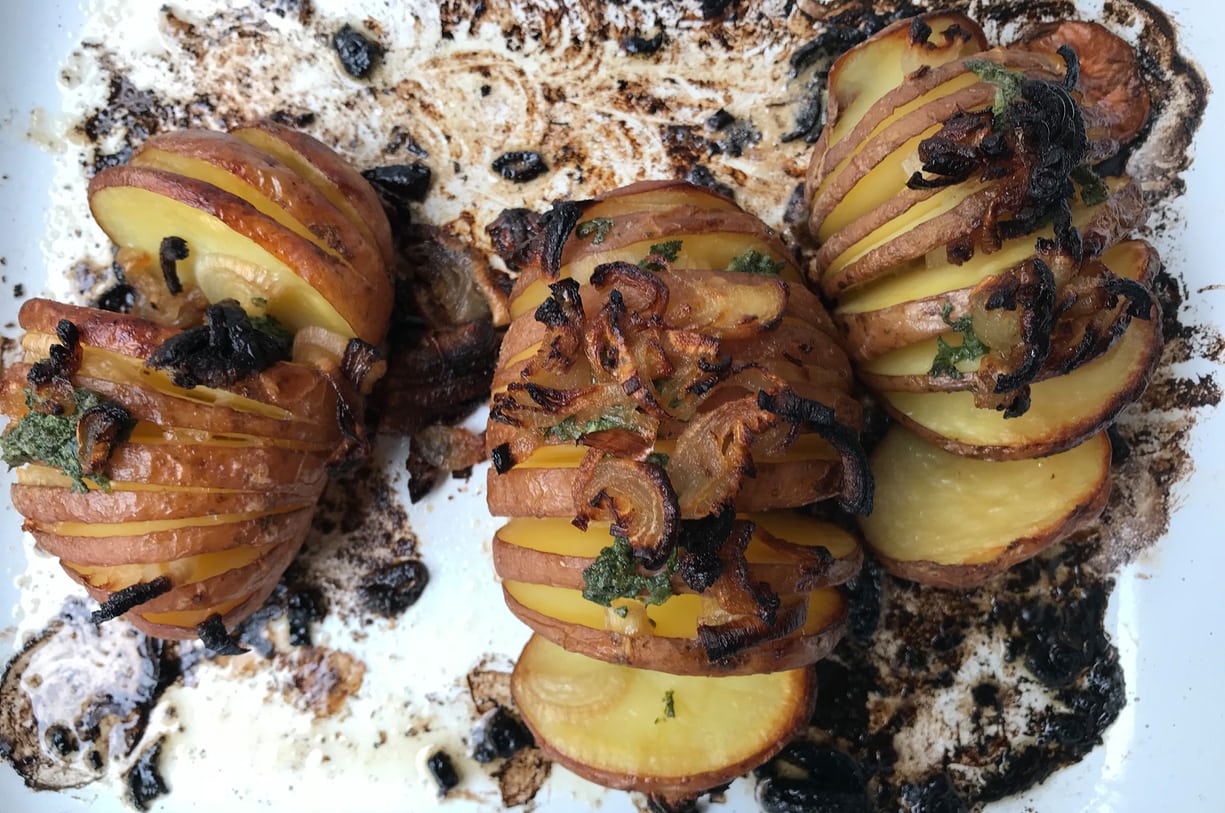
(936, 795)
(19, 291)
(498, 735)
(663, 804)
(442, 769)
(638, 45)
(119, 298)
(303, 606)
(390, 590)
(144, 781)
(719, 120)
(397, 186)
(520, 166)
(298, 121)
(713, 9)
(401, 139)
(358, 54)
(986, 695)
(423, 476)
(699, 175)
(521, 777)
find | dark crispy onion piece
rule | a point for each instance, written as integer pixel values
(100, 430)
(643, 293)
(1023, 304)
(858, 485)
(517, 237)
(812, 562)
(354, 447)
(121, 601)
(451, 448)
(712, 456)
(738, 613)
(636, 497)
(699, 564)
(220, 353)
(557, 223)
(363, 365)
(50, 379)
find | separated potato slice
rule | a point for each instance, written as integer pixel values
(655, 196)
(954, 521)
(149, 543)
(231, 164)
(237, 252)
(789, 551)
(636, 729)
(339, 182)
(664, 636)
(256, 468)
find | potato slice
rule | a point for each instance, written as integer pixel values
(162, 546)
(332, 175)
(541, 485)
(233, 165)
(552, 551)
(52, 504)
(656, 196)
(302, 284)
(663, 636)
(953, 521)
(640, 730)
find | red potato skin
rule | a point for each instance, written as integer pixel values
(297, 196)
(363, 297)
(684, 656)
(169, 546)
(348, 181)
(48, 504)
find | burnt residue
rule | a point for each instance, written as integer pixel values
(78, 696)
(144, 781)
(520, 166)
(809, 776)
(443, 772)
(884, 699)
(390, 590)
(498, 735)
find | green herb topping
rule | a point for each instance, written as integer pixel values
(52, 439)
(667, 251)
(614, 574)
(658, 459)
(1092, 188)
(1007, 83)
(669, 705)
(947, 355)
(569, 430)
(597, 228)
(754, 262)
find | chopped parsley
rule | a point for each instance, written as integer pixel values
(276, 331)
(614, 574)
(52, 439)
(569, 429)
(667, 251)
(658, 459)
(669, 706)
(1007, 83)
(1092, 188)
(754, 262)
(948, 355)
(597, 228)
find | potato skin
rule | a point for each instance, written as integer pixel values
(47, 504)
(685, 656)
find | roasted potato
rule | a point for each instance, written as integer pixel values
(172, 458)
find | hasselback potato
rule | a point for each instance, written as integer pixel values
(966, 224)
(172, 457)
(667, 392)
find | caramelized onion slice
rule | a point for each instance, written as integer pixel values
(857, 480)
(636, 497)
(712, 456)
